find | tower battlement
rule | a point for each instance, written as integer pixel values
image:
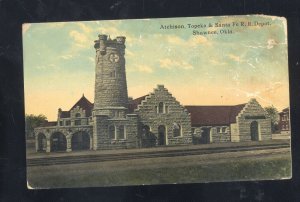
(105, 42)
(110, 81)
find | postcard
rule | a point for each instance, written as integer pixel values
(156, 101)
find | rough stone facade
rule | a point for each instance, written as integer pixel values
(169, 121)
(113, 127)
(115, 121)
(253, 123)
(47, 137)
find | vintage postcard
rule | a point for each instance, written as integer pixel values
(156, 101)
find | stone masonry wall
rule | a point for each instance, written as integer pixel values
(102, 139)
(253, 112)
(221, 134)
(110, 81)
(173, 112)
(234, 132)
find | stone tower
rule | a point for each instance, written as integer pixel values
(112, 126)
(111, 97)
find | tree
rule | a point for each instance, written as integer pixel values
(33, 121)
(273, 114)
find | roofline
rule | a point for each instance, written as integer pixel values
(213, 105)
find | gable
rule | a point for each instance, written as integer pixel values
(152, 100)
(83, 103)
(253, 110)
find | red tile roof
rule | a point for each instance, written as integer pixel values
(200, 115)
(214, 115)
(134, 103)
(203, 115)
(49, 123)
(83, 103)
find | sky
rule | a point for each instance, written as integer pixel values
(214, 69)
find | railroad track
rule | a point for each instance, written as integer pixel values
(46, 161)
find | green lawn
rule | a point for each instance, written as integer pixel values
(89, 175)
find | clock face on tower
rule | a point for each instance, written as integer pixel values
(114, 57)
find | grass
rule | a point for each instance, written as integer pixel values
(88, 175)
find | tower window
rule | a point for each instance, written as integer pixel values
(161, 107)
(113, 74)
(77, 115)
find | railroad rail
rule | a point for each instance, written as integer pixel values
(47, 161)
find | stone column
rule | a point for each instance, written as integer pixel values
(36, 143)
(212, 132)
(91, 141)
(69, 144)
(48, 148)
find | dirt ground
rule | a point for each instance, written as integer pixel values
(230, 166)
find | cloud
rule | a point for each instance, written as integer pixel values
(84, 28)
(145, 68)
(175, 40)
(196, 40)
(235, 58)
(91, 59)
(80, 39)
(192, 41)
(269, 44)
(49, 66)
(110, 30)
(217, 62)
(66, 57)
(129, 53)
(167, 63)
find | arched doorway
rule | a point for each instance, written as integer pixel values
(161, 135)
(148, 138)
(254, 131)
(42, 142)
(205, 136)
(80, 141)
(58, 142)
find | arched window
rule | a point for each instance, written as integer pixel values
(161, 107)
(121, 134)
(166, 109)
(176, 130)
(145, 131)
(77, 115)
(112, 132)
